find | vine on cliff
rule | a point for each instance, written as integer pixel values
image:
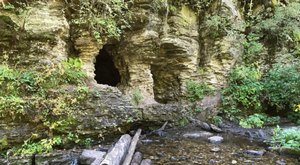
(104, 18)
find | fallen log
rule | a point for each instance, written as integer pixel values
(117, 154)
(137, 158)
(132, 147)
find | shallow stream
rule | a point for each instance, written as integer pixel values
(176, 149)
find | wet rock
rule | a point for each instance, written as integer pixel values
(146, 162)
(173, 158)
(254, 153)
(215, 149)
(197, 134)
(248, 161)
(137, 158)
(216, 139)
(204, 126)
(280, 162)
(212, 161)
(91, 157)
(233, 162)
(182, 158)
(215, 128)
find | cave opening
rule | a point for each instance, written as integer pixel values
(105, 69)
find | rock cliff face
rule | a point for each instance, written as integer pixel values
(161, 51)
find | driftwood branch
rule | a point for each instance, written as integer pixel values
(118, 152)
(132, 147)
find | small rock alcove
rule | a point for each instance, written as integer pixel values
(105, 70)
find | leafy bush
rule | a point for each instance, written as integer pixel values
(44, 145)
(40, 94)
(258, 120)
(287, 138)
(252, 48)
(137, 96)
(283, 26)
(196, 91)
(242, 95)
(282, 84)
(217, 25)
(217, 120)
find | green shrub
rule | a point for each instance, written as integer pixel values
(196, 91)
(242, 95)
(252, 48)
(283, 26)
(294, 117)
(217, 120)
(282, 84)
(44, 145)
(258, 121)
(137, 96)
(40, 94)
(287, 138)
(217, 25)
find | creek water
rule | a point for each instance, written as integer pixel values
(175, 149)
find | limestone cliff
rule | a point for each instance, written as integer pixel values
(165, 45)
(163, 49)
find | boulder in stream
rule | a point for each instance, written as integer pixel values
(216, 139)
(197, 134)
(251, 153)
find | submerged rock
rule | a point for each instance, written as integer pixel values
(215, 128)
(280, 162)
(197, 134)
(146, 162)
(254, 153)
(215, 149)
(233, 162)
(216, 139)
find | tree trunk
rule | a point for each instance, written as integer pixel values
(132, 147)
(119, 151)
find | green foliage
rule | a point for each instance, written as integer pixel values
(217, 120)
(196, 91)
(3, 142)
(252, 48)
(243, 92)
(283, 25)
(103, 18)
(87, 142)
(197, 5)
(271, 31)
(49, 96)
(44, 145)
(217, 25)
(282, 84)
(287, 138)
(258, 121)
(7, 6)
(294, 117)
(137, 96)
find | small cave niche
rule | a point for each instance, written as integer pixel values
(105, 69)
(165, 85)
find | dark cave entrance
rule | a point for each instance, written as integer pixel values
(105, 69)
